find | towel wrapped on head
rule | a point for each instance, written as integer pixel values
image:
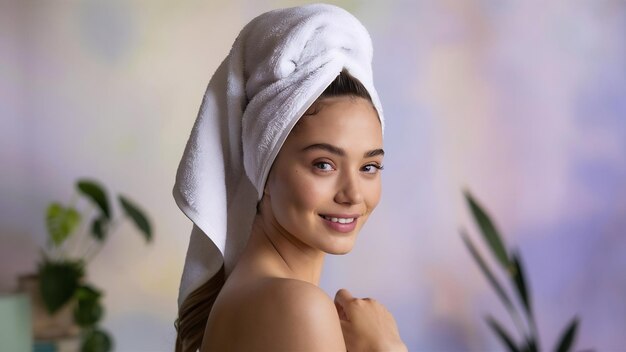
(280, 63)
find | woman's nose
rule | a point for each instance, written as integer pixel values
(349, 190)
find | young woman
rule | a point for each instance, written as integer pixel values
(322, 185)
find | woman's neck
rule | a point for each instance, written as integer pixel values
(283, 253)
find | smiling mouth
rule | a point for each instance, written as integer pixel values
(341, 220)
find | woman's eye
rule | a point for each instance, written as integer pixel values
(372, 168)
(323, 166)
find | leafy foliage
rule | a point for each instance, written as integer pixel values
(491, 278)
(99, 228)
(58, 282)
(511, 264)
(96, 193)
(504, 336)
(489, 232)
(137, 216)
(95, 340)
(567, 339)
(61, 275)
(89, 310)
(61, 222)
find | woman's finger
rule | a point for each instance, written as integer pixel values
(342, 314)
(343, 297)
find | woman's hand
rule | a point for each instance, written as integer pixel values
(366, 324)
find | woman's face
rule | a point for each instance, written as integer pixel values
(325, 181)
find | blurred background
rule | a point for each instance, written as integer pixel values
(521, 102)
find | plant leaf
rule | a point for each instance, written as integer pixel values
(96, 193)
(489, 231)
(531, 345)
(495, 284)
(96, 340)
(89, 310)
(567, 338)
(502, 334)
(138, 217)
(61, 222)
(58, 281)
(520, 282)
(99, 228)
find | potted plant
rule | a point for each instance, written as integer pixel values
(73, 305)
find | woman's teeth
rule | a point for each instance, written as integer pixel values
(339, 220)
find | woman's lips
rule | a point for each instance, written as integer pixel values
(340, 223)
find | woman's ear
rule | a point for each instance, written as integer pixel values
(266, 188)
(266, 191)
(268, 181)
(264, 199)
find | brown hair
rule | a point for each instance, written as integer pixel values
(194, 311)
(343, 85)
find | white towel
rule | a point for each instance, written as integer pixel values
(278, 66)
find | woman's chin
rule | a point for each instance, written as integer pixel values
(341, 252)
(340, 247)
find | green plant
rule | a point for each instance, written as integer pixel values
(74, 239)
(510, 262)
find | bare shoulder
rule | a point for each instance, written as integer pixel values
(293, 315)
(293, 294)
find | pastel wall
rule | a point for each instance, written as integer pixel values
(522, 102)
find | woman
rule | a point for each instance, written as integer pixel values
(312, 159)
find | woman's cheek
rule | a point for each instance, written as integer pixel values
(313, 190)
(373, 194)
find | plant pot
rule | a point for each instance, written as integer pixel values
(48, 326)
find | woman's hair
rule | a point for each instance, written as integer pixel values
(343, 85)
(194, 310)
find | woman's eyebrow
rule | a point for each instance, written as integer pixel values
(340, 152)
(327, 147)
(374, 152)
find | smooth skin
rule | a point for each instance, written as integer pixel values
(271, 301)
